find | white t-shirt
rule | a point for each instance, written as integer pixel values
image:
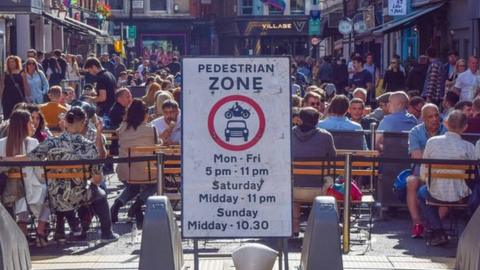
(160, 126)
(467, 82)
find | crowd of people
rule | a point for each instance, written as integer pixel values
(434, 102)
(56, 107)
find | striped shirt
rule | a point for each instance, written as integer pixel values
(448, 146)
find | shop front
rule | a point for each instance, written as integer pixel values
(158, 39)
(264, 36)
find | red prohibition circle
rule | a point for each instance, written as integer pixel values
(241, 147)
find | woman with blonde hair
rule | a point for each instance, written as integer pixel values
(156, 111)
(15, 85)
(149, 97)
(460, 67)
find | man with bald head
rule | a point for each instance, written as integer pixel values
(399, 119)
(417, 139)
(449, 146)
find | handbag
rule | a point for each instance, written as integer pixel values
(17, 87)
(337, 190)
(400, 185)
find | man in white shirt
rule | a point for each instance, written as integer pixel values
(143, 69)
(449, 146)
(168, 126)
(468, 82)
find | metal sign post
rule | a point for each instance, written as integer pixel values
(346, 206)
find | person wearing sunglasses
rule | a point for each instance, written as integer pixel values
(394, 79)
(316, 101)
(37, 81)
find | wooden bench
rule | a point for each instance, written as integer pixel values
(171, 168)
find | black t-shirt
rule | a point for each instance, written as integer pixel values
(106, 81)
(174, 68)
(360, 79)
(116, 115)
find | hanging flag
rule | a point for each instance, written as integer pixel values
(278, 4)
(67, 3)
(74, 2)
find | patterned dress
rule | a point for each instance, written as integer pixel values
(67, 194)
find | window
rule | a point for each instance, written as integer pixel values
(275, 11)
(157, 5)
(466, 48)
(246, 7)
(297, 7)
(116, 4)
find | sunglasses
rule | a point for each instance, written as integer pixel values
(30, 63)
(314, 104)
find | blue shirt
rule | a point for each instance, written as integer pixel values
(341, 123)
(418, 137)
(338, 123)
(38, 86)
(398, 122)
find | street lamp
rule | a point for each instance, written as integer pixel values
(62, 13)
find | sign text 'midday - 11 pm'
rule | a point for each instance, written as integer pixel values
(236, 154)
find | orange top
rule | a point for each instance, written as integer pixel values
(52, 111)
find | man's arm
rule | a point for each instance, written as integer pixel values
(99, 143)
(102, 96)
(426, 154)
(477, 149)
(416, 154)
(379, 142)
(165, 135)
(458, 85)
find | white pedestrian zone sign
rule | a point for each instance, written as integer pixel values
(236, 156)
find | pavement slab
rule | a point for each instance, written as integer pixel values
(80, 262)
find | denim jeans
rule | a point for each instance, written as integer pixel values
(143, 192)
(430, 213)
(101, 210)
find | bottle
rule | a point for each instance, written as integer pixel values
(134, 234)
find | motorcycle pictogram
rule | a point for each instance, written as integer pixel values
(237, 111)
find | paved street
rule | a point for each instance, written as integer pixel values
(392, 248)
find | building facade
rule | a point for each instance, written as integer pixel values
(46, 25)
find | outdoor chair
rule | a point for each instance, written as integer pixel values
(62, 173)
(446, 172)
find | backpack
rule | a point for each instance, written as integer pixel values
(337, 190)
(400, 185)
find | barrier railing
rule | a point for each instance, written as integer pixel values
(348, 156)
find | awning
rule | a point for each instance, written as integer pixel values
(74, 24)
(405, 21)
(86, 26)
